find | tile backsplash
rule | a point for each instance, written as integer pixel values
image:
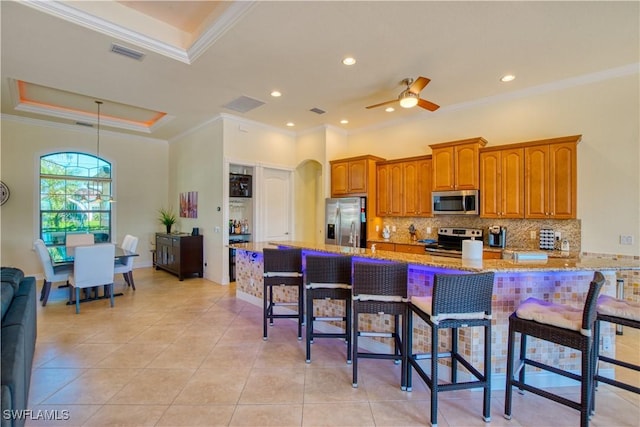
(519, 231)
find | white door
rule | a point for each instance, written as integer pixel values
(277, 203)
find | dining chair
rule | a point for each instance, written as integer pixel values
(83, 239)
(92, 267)
(283, 270)
(328, 278)
(51, 274)
(380, 289)
(125, 266)
(458, 303)
(564, 325)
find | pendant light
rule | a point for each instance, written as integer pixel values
(98, 195)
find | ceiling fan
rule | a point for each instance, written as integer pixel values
(410, 97)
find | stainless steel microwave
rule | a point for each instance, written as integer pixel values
(463, 202)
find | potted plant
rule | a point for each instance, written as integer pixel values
(168, 218)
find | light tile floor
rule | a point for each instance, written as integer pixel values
(189, 353)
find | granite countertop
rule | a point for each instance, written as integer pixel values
(497, 265)
(507, 250)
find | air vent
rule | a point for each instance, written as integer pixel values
(89, 125)
(125, 51)
(243, 104)
(317, 110)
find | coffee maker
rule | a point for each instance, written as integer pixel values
(497, 236)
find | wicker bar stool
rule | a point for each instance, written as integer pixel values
(562, 325)
(457, 301)
(619, 312)
(381, 289)
(328, 278)
(282, 267)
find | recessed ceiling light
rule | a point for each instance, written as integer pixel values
(389, 109)
(507, 78)
(291, 124)
(344, 121)
(349, 60)
(276, 93)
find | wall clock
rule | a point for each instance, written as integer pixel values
(4, 193)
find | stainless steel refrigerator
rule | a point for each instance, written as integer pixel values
(346, 221)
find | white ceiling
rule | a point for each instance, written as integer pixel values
(200, 56)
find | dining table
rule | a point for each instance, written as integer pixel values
(64, 256)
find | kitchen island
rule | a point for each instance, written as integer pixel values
(560, 280)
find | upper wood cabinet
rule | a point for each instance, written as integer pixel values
(353, 176)
(404, 187)
(455, 164)
(551, 178)
(389, 193)
(417, 187)
(502, 183)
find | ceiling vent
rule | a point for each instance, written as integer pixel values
(317, 110)
(125, 51)
(243, 104)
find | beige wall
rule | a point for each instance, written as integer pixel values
(139, 172)
(195, 164)
(606, 113)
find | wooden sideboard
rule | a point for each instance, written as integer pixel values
(180, 254)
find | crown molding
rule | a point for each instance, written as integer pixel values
(209, 36)
(75, 128)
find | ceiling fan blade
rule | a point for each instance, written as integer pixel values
(427, 105)
(419, 84)
(382, 103)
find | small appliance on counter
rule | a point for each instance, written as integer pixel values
(547, 239)
(497, 236)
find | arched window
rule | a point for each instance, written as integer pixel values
(75, 197)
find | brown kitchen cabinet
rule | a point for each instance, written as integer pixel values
(551, 178)
(410, 249)
(455, 164)
(389, 188)
(180, 254)
(404, 187)
(382, 246)
(353, 176)
(502, 192)
(356, 176)
(417, 187)
(491, 254)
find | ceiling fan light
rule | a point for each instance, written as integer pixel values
(408, 99)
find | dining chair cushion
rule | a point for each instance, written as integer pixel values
(327, 286)
(618, 308)
(380, 298)
(50, 274)
(93, 265)
(426, 305)
(549, 313)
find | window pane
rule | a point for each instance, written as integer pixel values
(75, 190)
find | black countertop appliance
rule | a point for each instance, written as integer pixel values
(497, 236)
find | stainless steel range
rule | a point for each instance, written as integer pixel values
(450, 241)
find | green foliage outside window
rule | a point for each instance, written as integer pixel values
(75, 190)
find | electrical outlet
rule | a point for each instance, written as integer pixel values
(558, 236)
(393, 228)
(429, 230)
(626, 239)
(532, 234)
(216, 229)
